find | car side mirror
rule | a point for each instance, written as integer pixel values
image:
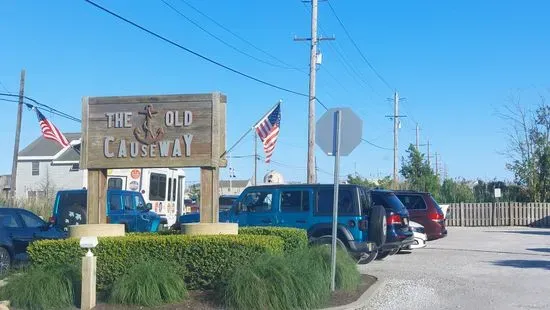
(148, 207)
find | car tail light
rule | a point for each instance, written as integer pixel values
(393, 219)
(363, 225)
(108, 219)
(436, 216)
(52, 220)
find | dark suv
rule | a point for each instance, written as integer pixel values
(399, 233)
(424, 210)
(362, 225)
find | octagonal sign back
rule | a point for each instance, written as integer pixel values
(351, 131)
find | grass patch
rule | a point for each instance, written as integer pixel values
(297, 280)
(45, 287)
(149, 283)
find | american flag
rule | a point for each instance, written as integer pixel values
(49, 131)
(268, 131)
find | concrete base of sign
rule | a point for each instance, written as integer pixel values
(210, 229)
(96, 230)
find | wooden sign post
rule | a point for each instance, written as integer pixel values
(168, 131)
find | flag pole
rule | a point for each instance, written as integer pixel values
(249, 130)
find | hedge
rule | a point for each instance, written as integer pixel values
(293, 238)
(205, 258)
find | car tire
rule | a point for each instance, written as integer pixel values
(367, 258)
(5, 261)
(377, 225)
(382, 255)
(327, 240)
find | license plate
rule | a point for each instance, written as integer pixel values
(406, 221)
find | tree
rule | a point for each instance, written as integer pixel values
(529, 147)
(456, 191)
(384, 183)
(418, 174)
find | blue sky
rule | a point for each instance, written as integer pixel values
(454, 61)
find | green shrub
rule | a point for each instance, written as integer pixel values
(44, 287)
(348, 276)
(294, 238)
(206, 258)
(149, 283)
(298, 280)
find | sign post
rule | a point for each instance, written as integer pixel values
(337, 125)
(339, 131)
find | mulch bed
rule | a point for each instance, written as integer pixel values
(204, 300)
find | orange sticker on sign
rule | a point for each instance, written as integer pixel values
(135, 174)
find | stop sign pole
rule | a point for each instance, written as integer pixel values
(336, 152)
(338, 133)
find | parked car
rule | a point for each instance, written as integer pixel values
(399, 234)
(361, 225)
(420, 237)
(424, 210)
(123, 207)
(18, 228)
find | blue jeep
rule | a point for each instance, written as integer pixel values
(123, 207)
(361, 225)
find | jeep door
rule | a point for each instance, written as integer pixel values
(295, 206)
(257, 208)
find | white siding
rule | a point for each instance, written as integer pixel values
(59, 176)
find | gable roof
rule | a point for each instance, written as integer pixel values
(234, 183)
(44, 147)
(70, 154)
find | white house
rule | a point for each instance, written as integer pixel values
(44, 166)
(233, 187)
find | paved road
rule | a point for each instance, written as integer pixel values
(473, 268)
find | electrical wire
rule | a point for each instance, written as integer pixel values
(243, 39)
(42, 106)
(4, 87)
(158, 36)
(220, 39)
(358, 49)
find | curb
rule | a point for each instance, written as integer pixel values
(363, 300)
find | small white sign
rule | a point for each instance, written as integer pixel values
(497, 193)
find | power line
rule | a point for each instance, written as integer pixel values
(41, 105)
(358, 49)
(220, 39)
(158, 36)
(377, 146)
(5, 88)
(243, 39)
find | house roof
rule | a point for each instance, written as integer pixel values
(234, 183)
(70, 154)
(44, 147)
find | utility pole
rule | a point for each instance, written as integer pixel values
(396, 123)
(17, 136)
(417, 136)
(311, 170)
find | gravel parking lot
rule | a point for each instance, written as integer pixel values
(473, 268)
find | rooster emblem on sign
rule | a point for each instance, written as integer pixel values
(146, 133)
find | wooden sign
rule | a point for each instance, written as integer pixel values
(153, 131)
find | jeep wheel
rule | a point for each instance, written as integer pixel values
(5, 261)
(382, 255)
(327, 241)
(377, 225)
(367, 258)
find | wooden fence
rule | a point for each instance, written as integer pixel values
(499, 214)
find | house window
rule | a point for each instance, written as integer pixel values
(75, 167)
(35, 168)
(157, 187)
